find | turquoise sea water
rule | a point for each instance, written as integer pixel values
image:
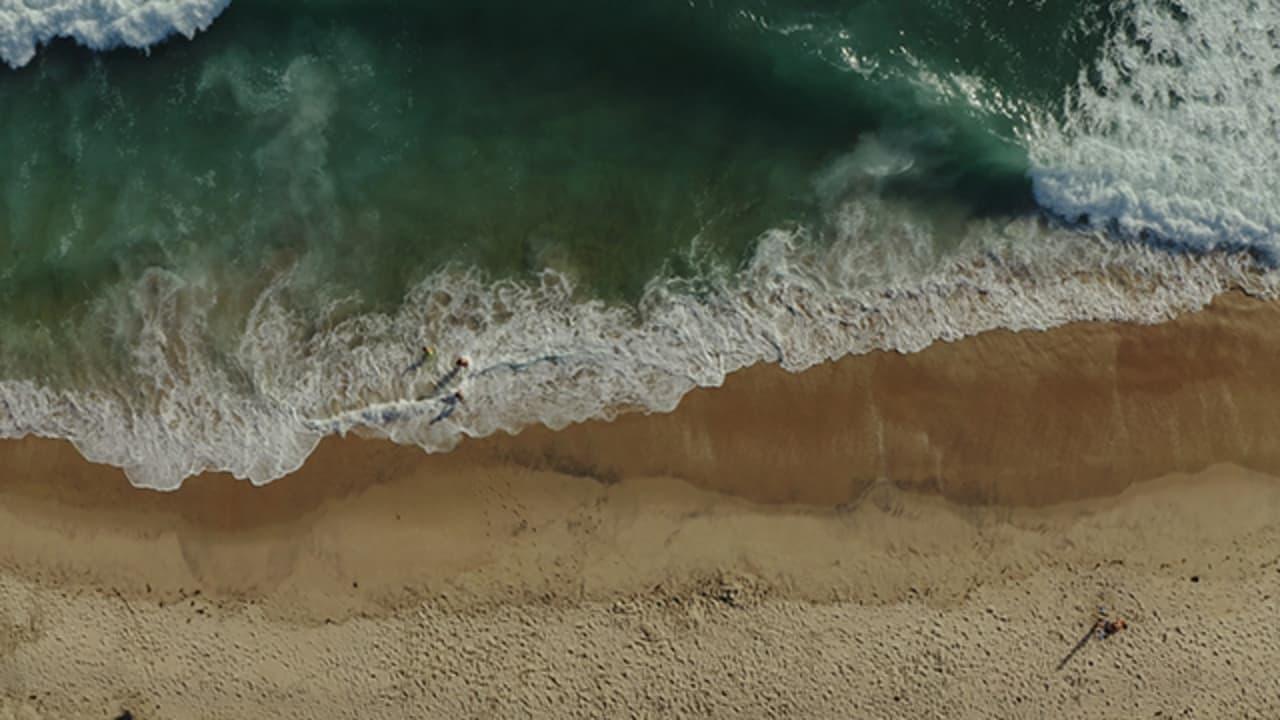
(217, 250)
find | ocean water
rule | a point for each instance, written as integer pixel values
(229, 229)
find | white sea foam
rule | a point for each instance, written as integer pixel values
(25, 25)
(539, 355)
(1176, 133)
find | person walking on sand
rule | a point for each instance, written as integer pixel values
(1101, 629)
(1106, 628)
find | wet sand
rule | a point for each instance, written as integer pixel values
(920, 535)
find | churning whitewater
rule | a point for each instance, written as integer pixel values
(1145, 173)
(99, 24)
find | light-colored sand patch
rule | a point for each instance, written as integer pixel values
(688, 604)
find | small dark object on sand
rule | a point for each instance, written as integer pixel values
(1101, 629)
(124, 715)
(1107, 628)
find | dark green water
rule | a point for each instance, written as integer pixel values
(378, 141)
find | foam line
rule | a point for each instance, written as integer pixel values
(541, 355)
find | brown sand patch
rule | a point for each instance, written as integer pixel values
(653, 598)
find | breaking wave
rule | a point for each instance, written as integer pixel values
(25, 25)
(1175, 134)
(539, 354)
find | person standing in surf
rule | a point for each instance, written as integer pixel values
(450, 406)
(428, 352)
(462, 363)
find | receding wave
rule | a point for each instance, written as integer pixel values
(538, 354)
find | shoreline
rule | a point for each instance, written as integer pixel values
(971, 504)
(1001, 419)
(1004, 417)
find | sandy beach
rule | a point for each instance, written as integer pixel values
(888, 535)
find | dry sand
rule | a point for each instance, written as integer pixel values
(886, 536)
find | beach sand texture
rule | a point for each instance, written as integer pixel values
(889, 535)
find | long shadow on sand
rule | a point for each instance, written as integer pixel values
(1088, 634)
